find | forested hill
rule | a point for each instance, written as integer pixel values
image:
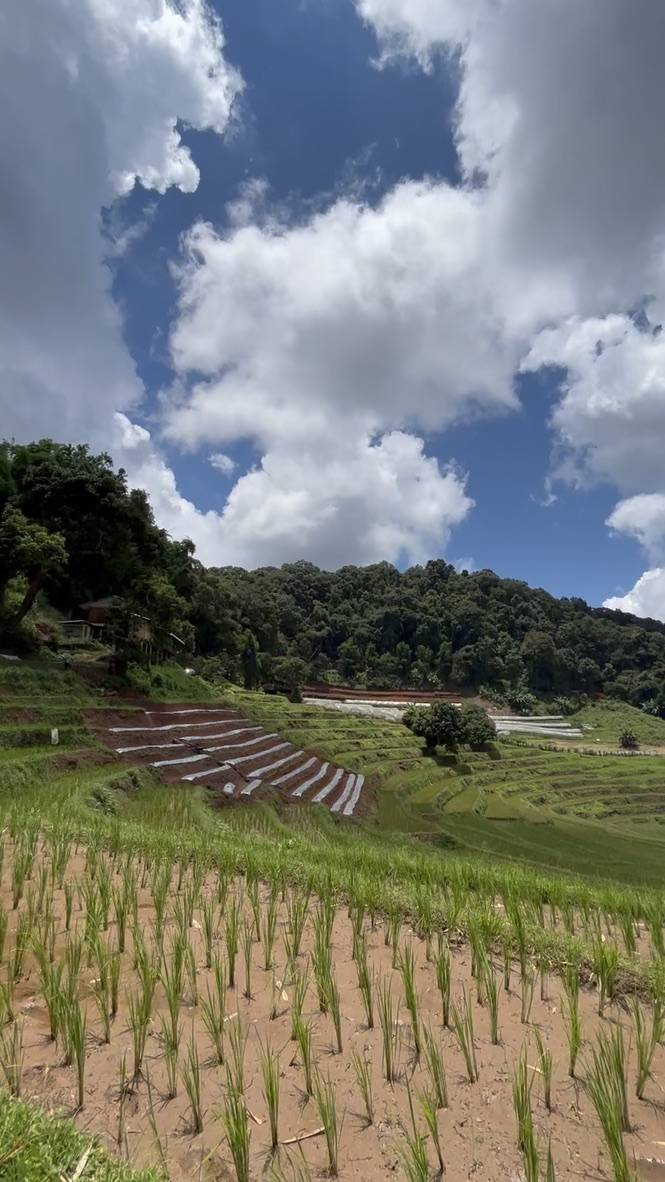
(71, 531)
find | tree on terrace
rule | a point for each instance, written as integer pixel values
(439, 725)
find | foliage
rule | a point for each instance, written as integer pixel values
(444, 725)
(628, 740)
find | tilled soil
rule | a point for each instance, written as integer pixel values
(477, 1130)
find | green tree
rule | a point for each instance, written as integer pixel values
(478, 726)
(30, 550)
(439, 725)
(251, 667)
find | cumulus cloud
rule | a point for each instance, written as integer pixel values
(646, 598)
(92, 96)
(222, 463)
(642, 517)
(381, 499)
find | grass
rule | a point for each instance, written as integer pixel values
(36, 1147)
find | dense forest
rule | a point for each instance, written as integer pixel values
(71, 531)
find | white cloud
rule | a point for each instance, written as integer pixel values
(378, 499)
(642, 517)
(222, 463)
(647, 597)
(92, 94)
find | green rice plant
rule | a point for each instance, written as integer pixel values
(528, 985)
(526, 1137)
(4, 921)
(653, 909)
(20, 872)
(606, 967)
(209, 925)
(462, 1023)
(321, 958)
(120, 904)
(388, 1018)
(324, 1094)
(191, 1078)
(101, 988)
(231, 937)
(271, 1082)
(491, 991)
(603, 1094)
(170, 1036)
(444, 979)
(520, 936)
(300, 986)
(543, 969)
(610, 1054)
(139, 1017)
(104, 888)
(212, 1013)
(255, 904)
(507, 954)
(163, 1160)
(429, 1109)
(236, 1127)
(570, 1007)
(395, 929)
(247, 946)
(546, 1068)
(646, 1043)
(357, 917)
(50, 977)
(11, 1057)
(69, 891)
(363, 1072)
(407, 968)
(365, 979)
(296, 907)
(550, 1172)
(192, 971)
(413, 1149)
(268, 930)
(115, 968)
(303, 1037)
(627, 923)
(22, 937)
(171, 976)
(77, 1023)
(435, 1068)
(335, 1008)
(73, 958)
(238, 1044)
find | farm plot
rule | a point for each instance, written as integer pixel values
(226, 1028)
(219, 748)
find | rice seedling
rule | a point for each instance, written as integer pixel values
(570, 1007)
(170, 1037)
(335, 1009)
(101, 989)
(163, 1160)
(550, 1172)
(271, 1082)
(212, 1013)
(646, 1043)
(300, 986)
(444, 979)
(191, 1078)
(247, 946)
(407, 969)
(50, 976)
(388, 1018)
(627, 923)
(602, 1091)
(303, 1036)
(363, 1072)
(255, 904)
(491, 991)
(139, 1017)
(365, 980)
(11, 1057)
(507, 954)
(526, 1137)
(236, 1127)
(69, 892)
(192, 971)
(22, 937)
(268, 930)
(238, 1044)
(73, 958)
(462, 1023)
(324, 1094)
(104, 884)
(546, 1067)
(4, 920)
(543, 969)
(610, 1054)
(209, 926)
(528, 985)
(606, 967)
(77, 1023)
(413, 1149)
(436, 1068)
(20, 872)
(231, 937)
(429, 1109)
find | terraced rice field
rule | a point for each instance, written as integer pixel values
(220, 749)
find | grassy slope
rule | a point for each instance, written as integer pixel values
(592, 815)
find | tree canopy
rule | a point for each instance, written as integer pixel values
(85, 534)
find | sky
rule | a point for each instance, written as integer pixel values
(349, 280)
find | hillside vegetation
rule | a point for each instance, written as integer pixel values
(71, 531)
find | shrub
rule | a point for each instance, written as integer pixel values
(628, 740)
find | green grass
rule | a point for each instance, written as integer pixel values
(606, 720)
(36, 1147)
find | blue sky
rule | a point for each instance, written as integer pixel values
(416, 338)
(316, 117)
